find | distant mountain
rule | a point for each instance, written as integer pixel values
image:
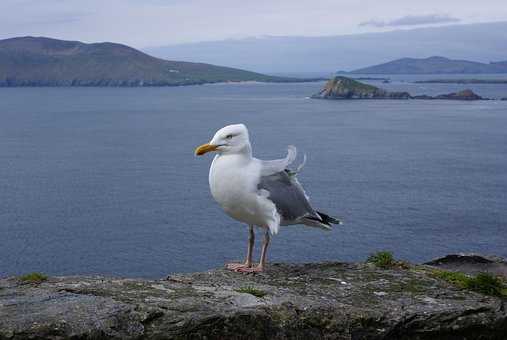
(433, 65)
(37, 61)
(462, 81)
(319, 56)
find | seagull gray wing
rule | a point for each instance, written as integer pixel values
(288, 196)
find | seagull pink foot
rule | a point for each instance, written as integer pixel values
(244, 268)
(256, 269)
(236, 266)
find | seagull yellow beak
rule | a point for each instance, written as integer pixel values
(201, 150)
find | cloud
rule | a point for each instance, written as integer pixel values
(162, 22)
(412, 20)
(59, 19)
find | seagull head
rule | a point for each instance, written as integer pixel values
(231, 139)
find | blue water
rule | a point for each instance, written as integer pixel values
(104, 180)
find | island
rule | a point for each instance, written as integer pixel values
(382, 298)
(340, 87)
(433, 65)
(40, 61)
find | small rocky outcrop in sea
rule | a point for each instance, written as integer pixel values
(375, 300)
(471, 263)
(341, 87)
(423, 96)
(460, 95)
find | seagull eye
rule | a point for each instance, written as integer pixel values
(229, 137)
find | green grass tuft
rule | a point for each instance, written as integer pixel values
(487, 284)
(33, 278)
(456, 278)
(483, 283)
(382, 259)
(252, 291)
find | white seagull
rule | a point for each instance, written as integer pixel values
(257, 192)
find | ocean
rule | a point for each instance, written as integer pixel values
(104, 180)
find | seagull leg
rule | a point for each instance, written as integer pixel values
(264, 251)
(249, 253)
(262, 264)
(251, 242)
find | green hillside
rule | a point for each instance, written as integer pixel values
(38, 61)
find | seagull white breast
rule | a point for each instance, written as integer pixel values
(234, 181)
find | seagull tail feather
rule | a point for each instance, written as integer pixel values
(322, 221)
(326, 219)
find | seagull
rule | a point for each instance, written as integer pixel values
(257, 192)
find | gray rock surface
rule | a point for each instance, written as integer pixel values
(311, 301)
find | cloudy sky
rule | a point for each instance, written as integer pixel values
(145, 23)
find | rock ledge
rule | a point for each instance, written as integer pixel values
(314, 301)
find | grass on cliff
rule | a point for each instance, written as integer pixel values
(386, 260)
(33, 278)
(483, 283)
(252, 291)
(382, 259)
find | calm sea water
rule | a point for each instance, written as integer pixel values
(104, 180)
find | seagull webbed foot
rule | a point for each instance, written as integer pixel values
(244, 268)
(256, 269)
(237, 266)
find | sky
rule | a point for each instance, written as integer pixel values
(148, 23)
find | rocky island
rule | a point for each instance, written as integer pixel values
(380, 299)
(347, 88)
(340, 87)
